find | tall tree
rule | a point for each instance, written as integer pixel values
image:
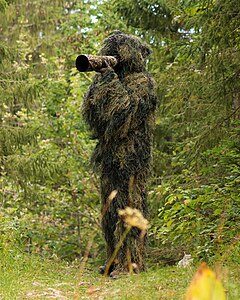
(44, 149)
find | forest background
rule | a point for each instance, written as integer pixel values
(49, 196)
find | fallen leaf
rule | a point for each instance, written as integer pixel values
(92, 290)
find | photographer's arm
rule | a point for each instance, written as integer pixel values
(112, 108)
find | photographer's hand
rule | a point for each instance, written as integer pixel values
(107, 72)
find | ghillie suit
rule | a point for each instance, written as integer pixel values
(119, 108)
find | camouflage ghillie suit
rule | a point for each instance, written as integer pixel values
(119, 108)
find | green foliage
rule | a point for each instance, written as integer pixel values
(48, 195)
(199, 208)
(3, 5)
(195, 61)
(49, 198)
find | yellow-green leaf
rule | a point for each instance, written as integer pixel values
(205, 286)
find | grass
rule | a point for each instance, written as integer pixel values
(31, 277)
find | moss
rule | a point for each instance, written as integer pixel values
(119, 108)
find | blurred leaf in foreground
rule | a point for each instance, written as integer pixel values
(205, 286)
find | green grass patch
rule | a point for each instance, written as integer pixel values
(32, 277)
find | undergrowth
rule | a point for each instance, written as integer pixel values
(32, 277)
